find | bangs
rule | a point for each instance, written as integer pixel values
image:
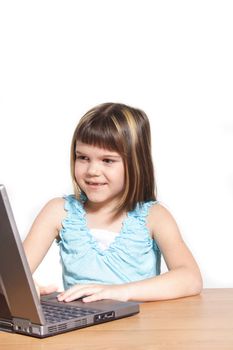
(102, 133)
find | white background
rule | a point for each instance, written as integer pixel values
(171, 58)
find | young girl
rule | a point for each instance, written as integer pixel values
(112, 231)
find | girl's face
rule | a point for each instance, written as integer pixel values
(100, 174)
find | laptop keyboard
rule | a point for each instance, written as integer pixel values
(57, 313)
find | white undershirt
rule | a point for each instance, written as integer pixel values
(103, 237)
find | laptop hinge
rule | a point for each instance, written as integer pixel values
(22, 325)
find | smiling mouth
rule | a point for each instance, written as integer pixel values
(95, 183)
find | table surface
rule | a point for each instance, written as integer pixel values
(200, 322)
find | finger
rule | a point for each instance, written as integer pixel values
(81, 293)
(93, 297)
(67, 293)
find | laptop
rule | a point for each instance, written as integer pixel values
(22, 311)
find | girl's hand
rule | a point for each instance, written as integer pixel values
(43, 290)
(94, 292)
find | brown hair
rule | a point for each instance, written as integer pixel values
(125, 130)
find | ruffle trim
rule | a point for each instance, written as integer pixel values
(76, 238)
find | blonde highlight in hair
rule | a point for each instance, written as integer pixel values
(125, 130)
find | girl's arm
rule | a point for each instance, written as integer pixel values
(44, 230)
(182, 279)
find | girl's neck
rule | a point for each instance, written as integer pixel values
(102, 217)
(104, 210)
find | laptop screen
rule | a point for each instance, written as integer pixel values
(16, 279)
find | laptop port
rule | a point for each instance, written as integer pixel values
(6, 325)
(106, 316)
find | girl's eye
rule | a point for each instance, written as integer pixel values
(81, 157)
(108, 161)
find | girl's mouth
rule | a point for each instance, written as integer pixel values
(89, 183)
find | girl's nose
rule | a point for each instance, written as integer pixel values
(93, 169)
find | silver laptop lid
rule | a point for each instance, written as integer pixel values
(16, 280)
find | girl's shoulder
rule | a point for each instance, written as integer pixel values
(59, 206)
(55, 204)
(160, 219)
(157, 209)
(61, 211)
(48, 221)
(60, 203)
(142, 209)
(54, 211)
(72, 204)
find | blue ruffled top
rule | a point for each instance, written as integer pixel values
(132, 256)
